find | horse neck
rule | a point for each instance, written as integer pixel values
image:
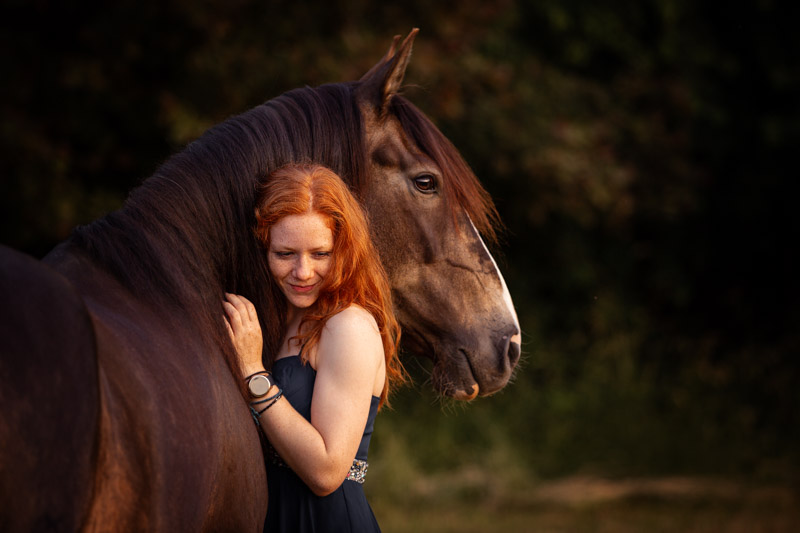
(184, 236)
(185, 230)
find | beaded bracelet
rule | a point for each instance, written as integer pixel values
(268, 398)
(257, 414)
(275, 397)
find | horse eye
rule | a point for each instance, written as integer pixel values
(425, 183)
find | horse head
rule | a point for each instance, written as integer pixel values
(426, 208)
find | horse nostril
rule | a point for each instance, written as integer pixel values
(510, 350)
(514, 351)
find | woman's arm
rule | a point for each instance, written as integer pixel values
(349, 362)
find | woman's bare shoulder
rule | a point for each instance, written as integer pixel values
(353, 320)
(350, 328)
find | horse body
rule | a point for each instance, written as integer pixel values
(50, 409)
(154, 445)
(165, 435)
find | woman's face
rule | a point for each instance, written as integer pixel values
(299, 257)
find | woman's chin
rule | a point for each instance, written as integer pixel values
(302, 301)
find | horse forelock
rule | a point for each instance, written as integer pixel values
(463, 190)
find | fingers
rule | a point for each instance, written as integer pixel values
(234, 316)
(243, 305)
(243, 328)
(228, 326)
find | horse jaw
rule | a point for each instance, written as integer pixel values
(455, 314)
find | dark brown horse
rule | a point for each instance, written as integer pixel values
(119, 409)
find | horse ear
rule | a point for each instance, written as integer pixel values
(383, 80)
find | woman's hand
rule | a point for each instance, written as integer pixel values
(242, 321)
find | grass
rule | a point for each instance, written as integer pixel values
(590, 505)
(494, 465)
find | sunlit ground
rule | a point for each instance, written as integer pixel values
(591, 505)
(443, 468)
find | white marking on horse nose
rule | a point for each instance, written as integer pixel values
(506, 294)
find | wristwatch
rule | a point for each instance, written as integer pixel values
(259, 384)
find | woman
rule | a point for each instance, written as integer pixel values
(334, 359)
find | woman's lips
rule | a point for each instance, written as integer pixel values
(302, 288)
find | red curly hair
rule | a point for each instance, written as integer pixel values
(356, 275)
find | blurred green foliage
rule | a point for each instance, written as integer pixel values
(640, 153)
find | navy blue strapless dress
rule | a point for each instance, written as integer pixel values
(292, 506)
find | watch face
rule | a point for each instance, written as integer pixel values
(259, 385)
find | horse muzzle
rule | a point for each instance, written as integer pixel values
(464, 373)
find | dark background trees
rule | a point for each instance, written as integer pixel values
(641, 155)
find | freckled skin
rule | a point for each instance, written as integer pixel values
(299, 258)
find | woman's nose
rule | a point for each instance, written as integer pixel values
(302, 268)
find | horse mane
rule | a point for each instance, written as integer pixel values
(184, 236)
